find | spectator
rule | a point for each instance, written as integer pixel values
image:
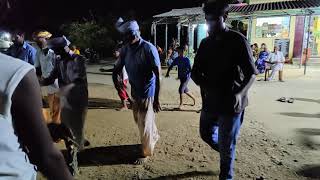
(21, 49)
(22, 126)
(277, 60)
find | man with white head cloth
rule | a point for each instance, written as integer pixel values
(142, 63)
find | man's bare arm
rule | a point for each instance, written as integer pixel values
(32, 131)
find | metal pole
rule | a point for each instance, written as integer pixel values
(179, 32)
(308, 39)
(303, 39)
(155, 35)
(190, 36)
(249, 30)
(166, 40)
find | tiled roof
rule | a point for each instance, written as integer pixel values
(283, 5)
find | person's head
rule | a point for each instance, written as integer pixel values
(130, 30)
(180, 51)
(60, 46)
(216, 13)
(186, 47)
(275, 49)
(18, 37)
(41, 37)
(116, 53)
(256, 45)
(263, 45)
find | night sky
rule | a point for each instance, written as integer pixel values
(34, 14)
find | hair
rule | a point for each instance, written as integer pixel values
(219, 7)
(19, 32)
(180, 49)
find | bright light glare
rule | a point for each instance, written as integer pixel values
(6, 35)
(206, 27)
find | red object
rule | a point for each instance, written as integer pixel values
(122, 92)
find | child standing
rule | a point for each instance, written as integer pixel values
(120, 81)
(184, 73)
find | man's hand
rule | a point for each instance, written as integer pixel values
(156, 106)
(238, 102)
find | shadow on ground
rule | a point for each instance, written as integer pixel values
(112, 155)
(177, 109)
(310, 171)
(305, 115)
(308, 100)
(98, 103)
(305, 137)
(186, 175)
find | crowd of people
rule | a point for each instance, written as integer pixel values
(53, 64)
(266, 60)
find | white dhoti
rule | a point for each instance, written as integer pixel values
(144, 116)
(276, 68)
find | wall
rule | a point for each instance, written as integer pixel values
(270, 41)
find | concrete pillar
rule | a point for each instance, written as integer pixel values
(179, 33)
(166, 40)
(202, 33)
(155, 34)
(249, 32)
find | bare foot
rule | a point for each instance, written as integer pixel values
(141, 161)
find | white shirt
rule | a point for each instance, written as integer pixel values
(46, 62)
(14, 163)
(276, 57)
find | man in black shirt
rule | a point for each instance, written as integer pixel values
(224, 70)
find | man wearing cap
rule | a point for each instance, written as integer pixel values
(71, 73)
(142, 62)
(224, 79)
(44, 64)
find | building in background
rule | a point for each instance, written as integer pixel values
(273, 22)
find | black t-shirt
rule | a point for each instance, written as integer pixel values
(221, 65)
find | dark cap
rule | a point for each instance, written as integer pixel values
(216, 7)
(59, 42)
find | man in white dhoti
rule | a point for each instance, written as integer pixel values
(276, 60)
(142, 62)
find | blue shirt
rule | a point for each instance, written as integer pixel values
(25, 52)
(140, 60)
(184, 67)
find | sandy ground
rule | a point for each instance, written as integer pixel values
(278, 140)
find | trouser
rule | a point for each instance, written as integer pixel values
(122, 91)
(220, 132)
(183, 88)
(144, 116)
(277, 68)
(54, 107)
(75, 119)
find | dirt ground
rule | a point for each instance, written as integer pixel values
(269, 146)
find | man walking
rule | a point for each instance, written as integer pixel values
(277, 60)
(44, 64)
(21, 49)
(224, 79)
(142, 63)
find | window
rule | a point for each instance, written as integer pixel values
(273, 27)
